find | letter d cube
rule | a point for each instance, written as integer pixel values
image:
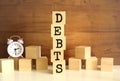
(58, 17)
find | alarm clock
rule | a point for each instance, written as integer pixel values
(15, 47)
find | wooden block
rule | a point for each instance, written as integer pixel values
(59, 43)
(58, 17)
(33, 52)
(59, 67)
(91, 63)
(74, 64)
(57, 55)
(57, 30)
(25, 64)
(6, 65)
(106, 64)
(83, 52)
(42, 63)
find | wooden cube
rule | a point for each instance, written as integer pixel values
(42, 63)
(33, 52)
(106, 64)
(58, 17)
(91, 63)
(57, 30)
(74, 64)
(83, 52)
(57, 55)
(59, 43)
(6, 65)
(16, 62)
(59, 67)
(25, 64)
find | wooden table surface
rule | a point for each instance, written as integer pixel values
(83, 75)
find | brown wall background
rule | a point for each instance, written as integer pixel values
(89, 22)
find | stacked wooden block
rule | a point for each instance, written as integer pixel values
(32, 53)
(84, 60)
(25, 64)
(59, 41)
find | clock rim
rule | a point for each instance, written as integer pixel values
(20, 54)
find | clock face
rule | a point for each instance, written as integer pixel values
(15, 49)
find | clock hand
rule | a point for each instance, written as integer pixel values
(15, 50)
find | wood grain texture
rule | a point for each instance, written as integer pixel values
(89, 22)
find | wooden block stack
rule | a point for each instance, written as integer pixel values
(6, 65)
(83, 53)
(106, 64)
(88, 62)
(33, 53)
(59, 41)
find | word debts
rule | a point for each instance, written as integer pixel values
(59, 41)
